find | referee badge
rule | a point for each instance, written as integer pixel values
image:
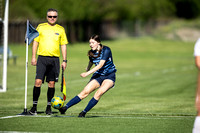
(57, 33)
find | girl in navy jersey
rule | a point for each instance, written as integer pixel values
(103, 77)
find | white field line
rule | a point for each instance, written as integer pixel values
(17, 132)
(14, 116)
(6, 117)
(116, 117)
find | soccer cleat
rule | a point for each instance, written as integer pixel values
(63, 110)
(82, 114)
(33, 111)
(48, 110)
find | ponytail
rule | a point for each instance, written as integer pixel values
(91, 53)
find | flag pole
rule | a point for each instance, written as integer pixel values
(31, 33)
(26, 79)
(63, 85)
(26, 76)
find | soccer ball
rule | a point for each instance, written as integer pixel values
(57, 102)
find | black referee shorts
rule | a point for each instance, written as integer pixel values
(48, 67)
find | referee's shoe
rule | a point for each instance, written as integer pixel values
(33, 111)
(48, 110)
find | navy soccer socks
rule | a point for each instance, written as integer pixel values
(90, 105)
(73, 101)
(76, 100)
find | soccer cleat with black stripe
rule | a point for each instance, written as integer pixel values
(63, 110)
(33, 111)
(48, 110)
(82, 114)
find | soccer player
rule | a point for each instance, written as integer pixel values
(51, 38)
(103, 78)
(196, 128)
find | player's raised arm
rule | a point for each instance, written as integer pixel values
(99, 66)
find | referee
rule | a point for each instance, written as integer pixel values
(51, 38)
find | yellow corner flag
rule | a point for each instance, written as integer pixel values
(63, 86)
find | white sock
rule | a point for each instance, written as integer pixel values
(196, 128)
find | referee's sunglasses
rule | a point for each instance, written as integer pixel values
(52, 16)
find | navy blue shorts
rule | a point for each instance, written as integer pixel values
(48, 67)
(100, 78)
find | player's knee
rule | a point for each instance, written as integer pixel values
(51, 84)
(38, 83)
(83, 94)
(98, 95)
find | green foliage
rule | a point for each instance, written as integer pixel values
(144, 9)
(92, 9)
(188, 9)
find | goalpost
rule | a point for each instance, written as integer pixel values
(4, 19)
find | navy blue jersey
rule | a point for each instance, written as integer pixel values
(106, 55)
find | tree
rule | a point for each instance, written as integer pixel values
(93, 10)
(188, 9)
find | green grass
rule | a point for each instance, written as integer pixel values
(154, 91)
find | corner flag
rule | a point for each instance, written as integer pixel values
(63, 86)
(31, 32)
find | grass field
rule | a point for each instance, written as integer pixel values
(154, 92)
